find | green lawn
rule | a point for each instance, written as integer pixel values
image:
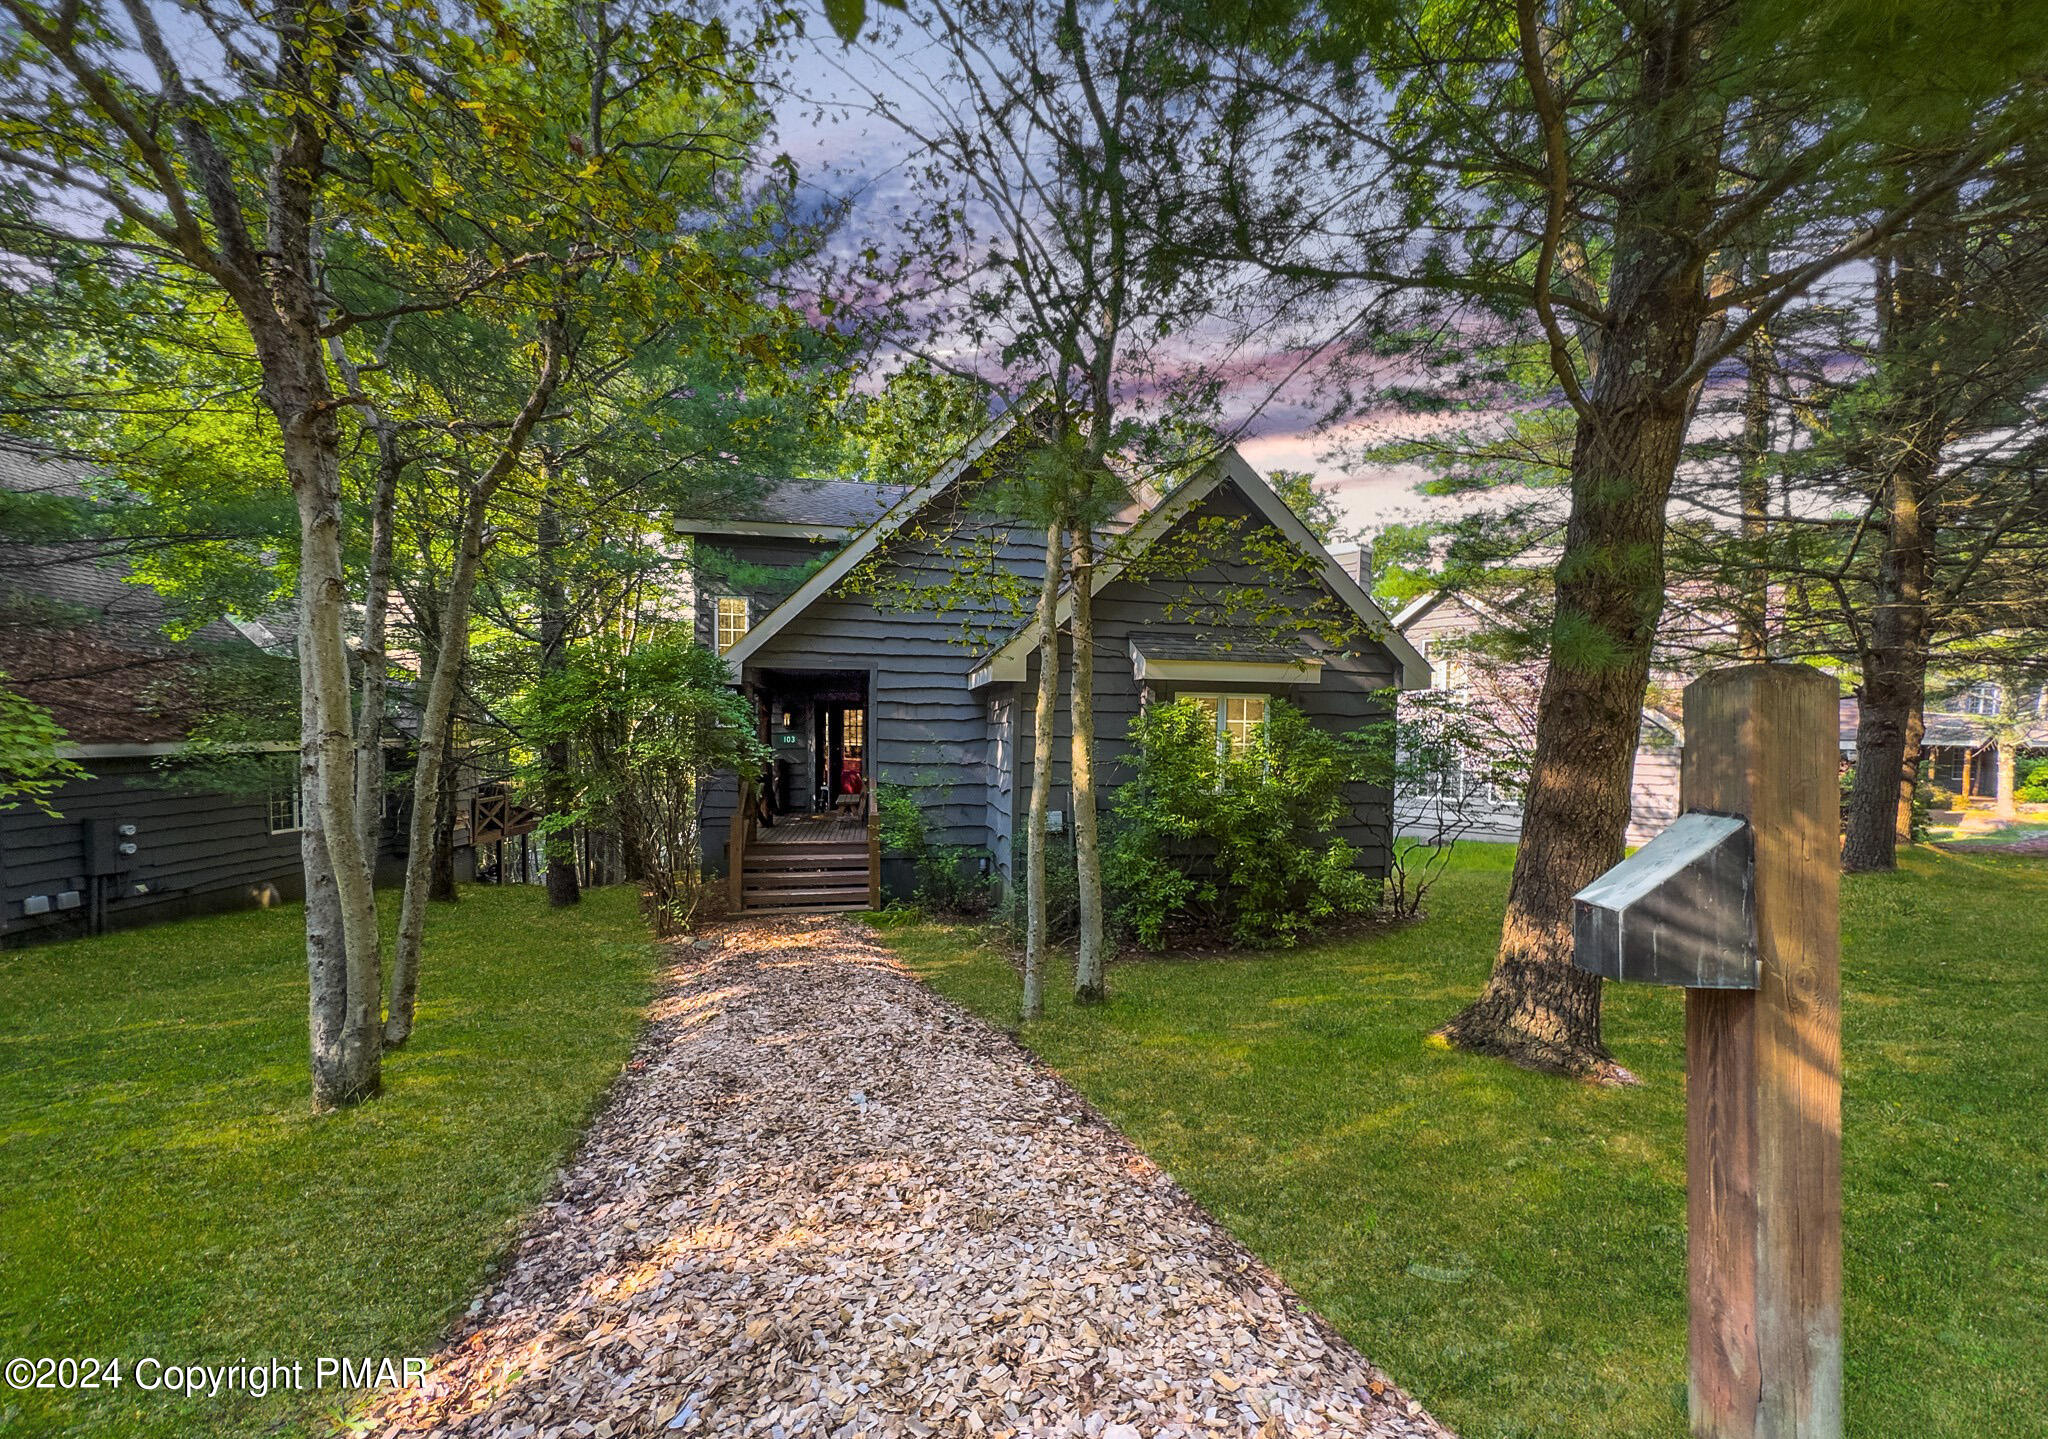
(165, 1191)
(1511, 1247)
(2018, 830)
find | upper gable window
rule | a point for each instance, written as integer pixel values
(1443, 673)
(1984, 698)
(733, 621)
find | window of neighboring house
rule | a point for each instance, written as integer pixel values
(1981, 699)
(1237, 717)
(287, 810)
(1447, 782)
(1445, 673)
(733, 621)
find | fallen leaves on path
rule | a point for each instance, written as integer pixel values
(823, 1201)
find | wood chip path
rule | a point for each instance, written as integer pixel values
(823, 1201)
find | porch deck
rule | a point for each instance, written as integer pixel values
(797, 829)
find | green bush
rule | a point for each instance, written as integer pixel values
(1062, 892)
(949, 881)
(1243, 839)
(901, 819)
(2034, 788)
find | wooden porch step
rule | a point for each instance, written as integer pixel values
(783, 871)
(794, 858)
(843, 897)
(793, 910)
(806, 879)
(815, 880)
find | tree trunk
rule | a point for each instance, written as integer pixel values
(1091, 981)
(1887, 744)
(342, 940)
(437, 715)
(441, 888)
(343, 1035)
(1036, 920)
(435, 724)
(1753, 610)
(556, 800)
(1909, 767)
(272, 287)
(1537, 1009)
(2008, 779)
(1907, 454)
(371, 649)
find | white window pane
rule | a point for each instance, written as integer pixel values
(732, 621)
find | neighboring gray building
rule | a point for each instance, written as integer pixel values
(126, 845)
(1442, 626)
(882, 632)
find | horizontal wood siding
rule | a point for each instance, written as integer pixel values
(716, 802)
(1653, 791)
(1157, 608)
(780, 554)
(1653, 801)
(188, 846)
(917, 639)
(918, 635)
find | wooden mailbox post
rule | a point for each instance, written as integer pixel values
(1763, 1128)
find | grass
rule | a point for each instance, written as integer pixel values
(1511, 1247)
(165, 1191)
(1992, 838)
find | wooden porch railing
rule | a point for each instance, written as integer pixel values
(738, 837)
(874, 850)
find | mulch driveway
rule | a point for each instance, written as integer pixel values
(823, 1201)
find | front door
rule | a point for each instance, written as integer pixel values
(845, 754)
(816, 726)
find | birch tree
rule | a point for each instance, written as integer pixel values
(222, 172)
(635, 221)
(308, 167)
(1053, 142)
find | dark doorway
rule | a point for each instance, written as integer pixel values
(816, 725)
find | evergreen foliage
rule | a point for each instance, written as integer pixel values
(1236, 837)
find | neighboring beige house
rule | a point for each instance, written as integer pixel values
(1967, 725)
(1475, 802)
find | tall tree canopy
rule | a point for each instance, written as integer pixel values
(396, 212)
(1625, 196)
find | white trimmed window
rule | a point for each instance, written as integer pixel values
(1237, 717)
(733, 621)
(287, 810)
(1984, 698)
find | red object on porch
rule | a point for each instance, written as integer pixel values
(849, 775)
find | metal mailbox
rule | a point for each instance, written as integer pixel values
(1680, 910)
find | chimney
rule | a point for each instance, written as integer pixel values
(1357, 563)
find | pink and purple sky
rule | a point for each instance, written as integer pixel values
(845, 152)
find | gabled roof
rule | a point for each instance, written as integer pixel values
(1421, 605)
(81, 639)
(898, 514)
(1007, 663)
(800, 509)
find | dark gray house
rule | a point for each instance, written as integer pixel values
(883, 633)
(129, 843)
